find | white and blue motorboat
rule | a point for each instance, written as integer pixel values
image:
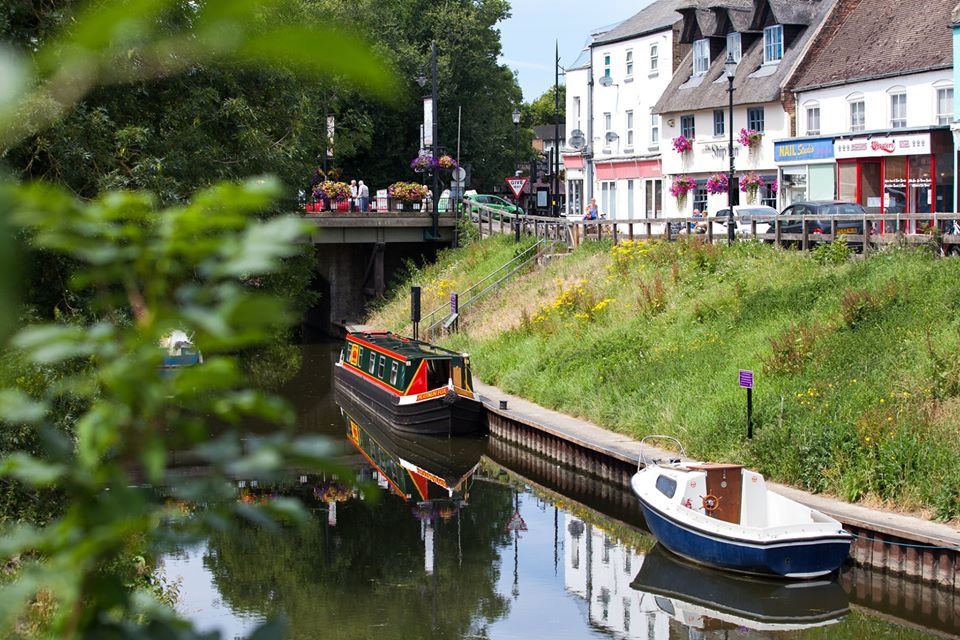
(723, 516)
(179, 351)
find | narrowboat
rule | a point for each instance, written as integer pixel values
(707, 599)
(415, 386)
(723, 516)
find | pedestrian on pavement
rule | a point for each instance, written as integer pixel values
(363, 194)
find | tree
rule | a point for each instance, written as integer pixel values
(541, 110)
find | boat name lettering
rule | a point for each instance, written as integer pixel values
(436, 393)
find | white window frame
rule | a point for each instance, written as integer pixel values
(650, 198)
(654, 58)
(607, 64)
(629, 122)
(773, 44)
(897, 101)
(629, 63)
(734, 45)
(939, 117)
(654, 130)
(608, 198)
(722, 122)
(701, 57)
(807, 109)
(607, 128)
(631, 196)
(853, 99)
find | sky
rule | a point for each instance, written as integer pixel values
(529, 35)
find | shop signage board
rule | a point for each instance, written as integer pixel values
(913, 144)
(517, 185)
(803, 150)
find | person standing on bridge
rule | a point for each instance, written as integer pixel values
(353, 195)
(363, 195)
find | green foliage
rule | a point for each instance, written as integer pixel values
(836, 252)
(541, 110)
(869, 402)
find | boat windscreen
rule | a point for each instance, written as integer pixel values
(438, 373)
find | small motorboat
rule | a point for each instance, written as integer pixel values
(179, 351)
(723, 516)
(705, 599)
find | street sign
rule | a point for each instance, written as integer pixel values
(454, 303)
(746, 379)
(516, 522)
(517, 185)
(459, 174)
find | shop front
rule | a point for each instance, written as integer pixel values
(902, 173)
(574, 166)
(806, 169)
(630, 188)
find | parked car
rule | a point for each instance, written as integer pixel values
(493, 202)
(744, 213)
(822, 207)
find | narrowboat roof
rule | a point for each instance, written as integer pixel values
(404, 347)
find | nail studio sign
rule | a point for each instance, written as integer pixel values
(879, 147)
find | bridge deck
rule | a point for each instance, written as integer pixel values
(378, 228)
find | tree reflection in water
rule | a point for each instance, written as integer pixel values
(365, 576)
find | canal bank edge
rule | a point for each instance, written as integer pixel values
(894, 542)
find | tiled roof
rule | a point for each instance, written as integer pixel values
(657, 16)
(881, 38)
(755, 83)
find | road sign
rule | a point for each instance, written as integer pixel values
(746, 379)
(516, 522)
(459, 174)
(517, 185)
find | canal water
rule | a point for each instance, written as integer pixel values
(465, 539)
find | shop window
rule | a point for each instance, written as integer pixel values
(793, 185)
(944, 162)
(857, 115)
(895, 185)
(919, 195)
(768, 197)
(944, 105)
(755, 119)
(630, 196)
(701, 57)
(608, 198)
(688, 127)
(772, 44)
(898, 109)
(654, 191)
(733, 46)
(629, 63)
(813, 120)
(847, 181)
(719, 118)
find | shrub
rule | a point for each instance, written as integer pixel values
(653, 297)
(836, 252)
(792, 349)
(857, 307)
(943, 370)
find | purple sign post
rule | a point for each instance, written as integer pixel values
(746, 382)
(454, 303)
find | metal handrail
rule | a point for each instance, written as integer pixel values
(643, 461)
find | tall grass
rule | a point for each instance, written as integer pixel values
(855, 361)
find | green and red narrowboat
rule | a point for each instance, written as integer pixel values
(415, 386)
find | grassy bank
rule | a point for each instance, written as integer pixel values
(857, 361)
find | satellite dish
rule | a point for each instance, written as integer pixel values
(606, 81)
(612, 136)
(577, 140)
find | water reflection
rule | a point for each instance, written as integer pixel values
(453, 550)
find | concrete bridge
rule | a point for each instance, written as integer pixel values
(357, 255)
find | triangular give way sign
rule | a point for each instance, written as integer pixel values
(517, 185)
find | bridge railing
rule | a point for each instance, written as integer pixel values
(312, 206)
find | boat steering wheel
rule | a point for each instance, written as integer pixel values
(710, 503)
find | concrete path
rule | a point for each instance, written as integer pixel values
(627, 449)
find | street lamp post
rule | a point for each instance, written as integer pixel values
(436, 170)
(516, 140)
(730, 69)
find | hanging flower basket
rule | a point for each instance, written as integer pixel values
(750, 184)
(447, 163)
(681, 187)
(682, 144)
(332, 191)
(775, 186)
(750, 138)
(423, 163)
(718, 183)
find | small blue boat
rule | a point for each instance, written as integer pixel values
(723, 516)
(179, 351)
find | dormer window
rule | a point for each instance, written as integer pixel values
(701, 57)
(733, 46)
(773, 44)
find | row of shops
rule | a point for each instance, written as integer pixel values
(908, 171)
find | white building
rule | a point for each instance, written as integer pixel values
(767, 39)
(611, 91)
(874, 107)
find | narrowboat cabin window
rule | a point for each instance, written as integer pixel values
(393, 373)
(667, 486)
(373, 361)
(383, 363)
